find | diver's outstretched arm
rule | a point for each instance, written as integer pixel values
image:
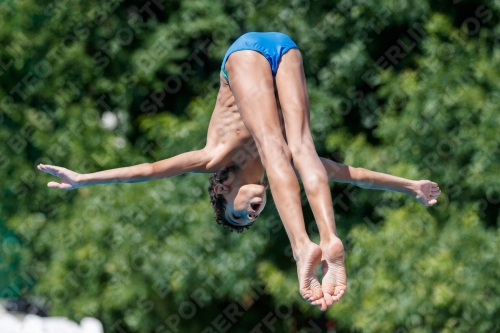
(425, 191)
(193, 161)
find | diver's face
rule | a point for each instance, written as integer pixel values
(245, 203)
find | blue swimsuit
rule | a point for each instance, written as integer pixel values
(271, 45)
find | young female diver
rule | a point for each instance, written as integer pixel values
(260, 123)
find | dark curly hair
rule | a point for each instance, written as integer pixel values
(219, 203)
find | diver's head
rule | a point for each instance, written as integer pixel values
(236, 205)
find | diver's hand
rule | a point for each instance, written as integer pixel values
(69, 179)
(426, 192)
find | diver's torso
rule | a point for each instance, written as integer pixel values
(228, 139)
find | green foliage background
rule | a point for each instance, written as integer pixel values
(134, 255)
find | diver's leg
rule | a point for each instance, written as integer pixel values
(294, 100)
(251, 82)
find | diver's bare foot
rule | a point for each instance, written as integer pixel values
(426, 192)
(308, 259)
(334, 281)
